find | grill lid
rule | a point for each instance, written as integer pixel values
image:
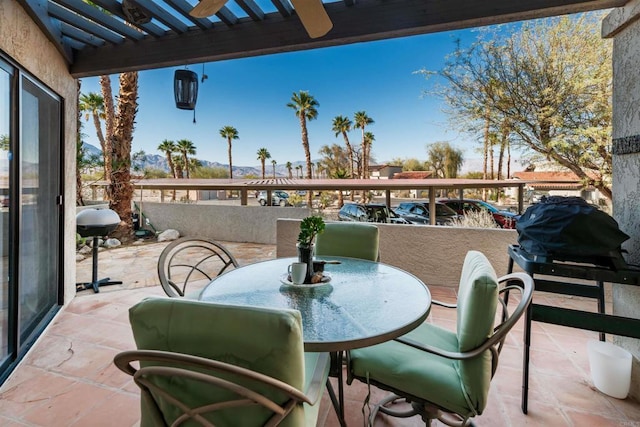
(96, 222)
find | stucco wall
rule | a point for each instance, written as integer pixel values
(432, 253)
(25, 44)
(624, 27)
(255, 224)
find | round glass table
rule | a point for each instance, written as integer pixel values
(362, 304)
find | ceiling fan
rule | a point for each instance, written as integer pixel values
(311, 12)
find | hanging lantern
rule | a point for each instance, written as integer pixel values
(185, 89)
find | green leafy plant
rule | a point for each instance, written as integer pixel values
(310, 227)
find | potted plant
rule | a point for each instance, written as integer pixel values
(310, 227)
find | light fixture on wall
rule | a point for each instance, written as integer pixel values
(185, 90)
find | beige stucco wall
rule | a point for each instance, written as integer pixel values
(432, 253)
(623, 25)
(25, 44)
(255, 224)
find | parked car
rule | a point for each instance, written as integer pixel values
(504, 219)
(418, 213)
(278, 198)
(369, 212)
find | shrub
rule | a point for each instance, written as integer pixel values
(475, 219)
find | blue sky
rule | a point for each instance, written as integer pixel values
(251, 94)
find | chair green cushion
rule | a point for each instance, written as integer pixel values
(409, 370)
(348, 239)
(477, 302)
(264, 340)
(459, 386)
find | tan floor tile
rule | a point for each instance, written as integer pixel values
(591, 419)
(118, 409)
(66, 406)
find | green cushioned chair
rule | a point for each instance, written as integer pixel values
(194, 262)
(205, 364)
(443, 374)
(348, 239)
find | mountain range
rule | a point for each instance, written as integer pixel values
(156, 161)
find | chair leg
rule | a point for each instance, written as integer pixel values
(383, 407)
(427, 412)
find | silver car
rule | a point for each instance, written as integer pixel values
(278, 198)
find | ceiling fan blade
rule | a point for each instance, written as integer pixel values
(207, 8)
(313, 16)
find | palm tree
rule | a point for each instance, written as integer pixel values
(263, 155)
(109, 124)
(92, 105)
(304, 106)
(298, 171)
(361, 121)
(289, 166)
(340, 174)
(318, 169)
(186, 148)
(369, 138)
(168, 148)
(120, 188)
(178, 163)
(274, 163)
(342, 125)
(229, 132)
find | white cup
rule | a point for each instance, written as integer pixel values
(297, 271)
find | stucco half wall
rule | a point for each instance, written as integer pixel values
(432, 253)
(256, 224)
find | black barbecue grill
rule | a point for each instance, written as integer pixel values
(96, 223)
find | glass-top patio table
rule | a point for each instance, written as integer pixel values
(364, 303)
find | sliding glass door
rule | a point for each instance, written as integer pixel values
(31, 211)
(5, 138)
(39, 149)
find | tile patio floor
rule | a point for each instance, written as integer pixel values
(68, 378)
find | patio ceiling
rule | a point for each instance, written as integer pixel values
(98, 41)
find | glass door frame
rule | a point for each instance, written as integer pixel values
(18, 346)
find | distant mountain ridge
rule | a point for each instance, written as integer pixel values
(157, 161)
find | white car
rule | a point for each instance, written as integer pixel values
(278, 198)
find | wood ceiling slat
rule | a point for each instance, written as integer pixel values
(77, 21)
(226, 16)
(163, 16)
(104, 19)
(75, 44)
(283, 6)
(80, 35)
(252, 9)
(183, 7)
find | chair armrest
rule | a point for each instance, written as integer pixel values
(524, 286)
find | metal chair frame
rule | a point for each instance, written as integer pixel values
(209, 248)
(520, 282)
(157, 364)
